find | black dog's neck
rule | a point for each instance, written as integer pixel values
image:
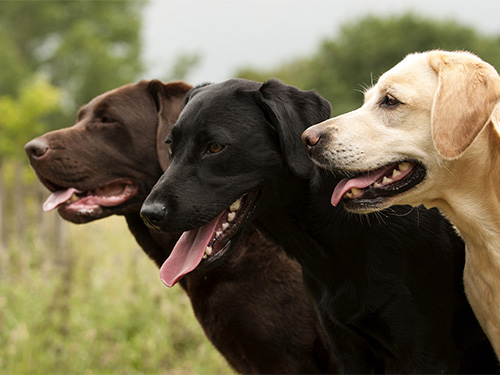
(293, 214)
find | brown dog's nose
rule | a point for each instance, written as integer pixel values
(36, 148)
(311, 137)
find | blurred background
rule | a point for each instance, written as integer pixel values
(84, 299)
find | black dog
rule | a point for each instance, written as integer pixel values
(252, 307)
(387, 287)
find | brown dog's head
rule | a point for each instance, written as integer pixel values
(109, 160)
(403, 145)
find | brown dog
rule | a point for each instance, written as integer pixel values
(428, 133)
(253, 307)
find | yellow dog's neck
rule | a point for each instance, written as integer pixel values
(471, 193)
(470, 199)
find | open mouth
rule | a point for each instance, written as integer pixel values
(370, 188)
(75, 201)
(210, 242)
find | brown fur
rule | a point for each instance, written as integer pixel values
(253, 308)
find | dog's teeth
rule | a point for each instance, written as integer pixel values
(218, 233)
(355, 192)
(404, 166)
(377, 184)
(225, 226)
(73, 198)
(208, 250)
(230, 216)
(235, 206)
(386, 180)
(395, 173)
(205, 256)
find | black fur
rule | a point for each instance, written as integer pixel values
(388, 287)
(252, 307)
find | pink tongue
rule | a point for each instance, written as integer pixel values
(187, 252)
(359, 182)
(58, 198)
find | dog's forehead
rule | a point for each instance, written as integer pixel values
(406, 80)
(216, 107)
(130, 93)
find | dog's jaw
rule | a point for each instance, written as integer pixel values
(380, 188)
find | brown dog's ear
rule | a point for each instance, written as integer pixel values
(169, 100)
(468, 91)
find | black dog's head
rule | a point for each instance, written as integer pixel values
(230, 145)
(109, 160)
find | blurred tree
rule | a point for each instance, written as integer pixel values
(183, 66)
(354, 59)
(84, 47)
(23, 117)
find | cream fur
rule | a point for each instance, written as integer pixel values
(448, 120)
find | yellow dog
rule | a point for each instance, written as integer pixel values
(428, 133)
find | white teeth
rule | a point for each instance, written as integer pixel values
(208, 250)
(225, 226)
(395, 173)
(73, 198)
(218, 233)
(235, 206)
(205, 256)
(377, 185)
(386, 180)
(404, 166)
(230, 216)
(355, 191)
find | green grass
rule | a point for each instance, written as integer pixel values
(100, 308)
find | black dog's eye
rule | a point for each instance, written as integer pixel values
(214, 148)
(389, 101)
(168, 142)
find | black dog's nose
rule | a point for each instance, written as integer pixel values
(36, 148)
(152, 214)
(311, 137)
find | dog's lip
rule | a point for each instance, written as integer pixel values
(235, 218)
(207, 245)
(370, 187)
(88, 200)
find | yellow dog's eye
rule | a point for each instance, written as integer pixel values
(215, 148)
(389, 101)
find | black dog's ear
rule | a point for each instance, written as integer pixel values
(169, 101)
(290, 111)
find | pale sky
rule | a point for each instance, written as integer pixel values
(231, 34)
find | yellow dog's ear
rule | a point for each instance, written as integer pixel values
(468, 90)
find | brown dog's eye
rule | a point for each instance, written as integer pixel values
(106, 119)
(215, 148)
(389, 101)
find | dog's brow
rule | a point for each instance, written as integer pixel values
(369, 93)
(81, 112)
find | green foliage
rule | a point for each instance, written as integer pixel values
(85, 47)
(25, 116)
(81, 48)
(97, 308)
(346, 64)
(183, 66)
